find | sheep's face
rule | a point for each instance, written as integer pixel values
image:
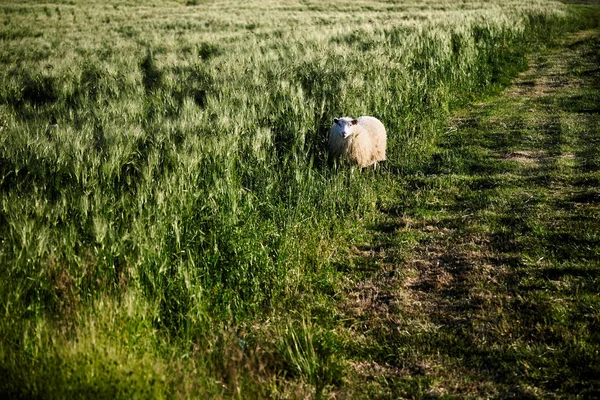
(344, 126)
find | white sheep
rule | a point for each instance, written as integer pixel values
(360, 141)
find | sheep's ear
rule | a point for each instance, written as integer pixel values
(354, 121)
(335, 120)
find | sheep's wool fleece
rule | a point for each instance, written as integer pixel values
(365, 147)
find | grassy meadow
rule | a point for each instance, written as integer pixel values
(168, 225)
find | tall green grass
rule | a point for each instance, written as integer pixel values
(164, 199)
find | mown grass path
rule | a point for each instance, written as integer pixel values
(482, 276)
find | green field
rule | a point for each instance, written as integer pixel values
(169, 227)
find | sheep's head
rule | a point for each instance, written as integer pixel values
(344, 126)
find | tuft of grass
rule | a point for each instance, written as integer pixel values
(311, 353)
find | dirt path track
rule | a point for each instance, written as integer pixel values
(482, 277)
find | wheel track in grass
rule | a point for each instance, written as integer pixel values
(482, 278)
